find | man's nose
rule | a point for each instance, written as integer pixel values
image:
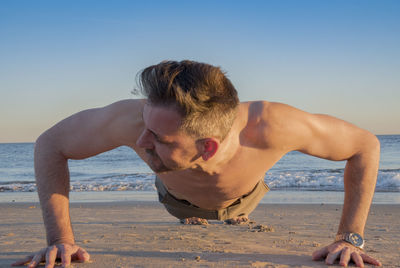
(145, 141)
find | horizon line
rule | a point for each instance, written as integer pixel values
(21, 142)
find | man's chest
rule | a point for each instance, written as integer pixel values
(237, 178)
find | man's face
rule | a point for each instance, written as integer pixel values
(168, 148)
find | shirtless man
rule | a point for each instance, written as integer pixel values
(209, 152)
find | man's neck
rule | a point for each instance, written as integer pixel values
(227, 150)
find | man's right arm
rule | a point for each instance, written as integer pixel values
(79, 136)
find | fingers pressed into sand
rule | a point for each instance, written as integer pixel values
(332, 256)
(320, 254)
(345, 257)
(370, 260)
(65, 256)
(82, 255)
(355, 256)
(36, 260)
(23, 261)
(51, 256)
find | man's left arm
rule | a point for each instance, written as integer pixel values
(334, 139)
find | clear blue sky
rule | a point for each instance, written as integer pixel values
(335, 57)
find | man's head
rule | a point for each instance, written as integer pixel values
(200, 93)
(190, 109)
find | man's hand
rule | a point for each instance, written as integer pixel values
(65, 252)
(345, 252)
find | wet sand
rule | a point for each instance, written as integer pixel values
(143, 234)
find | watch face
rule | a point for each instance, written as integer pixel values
(356, 239)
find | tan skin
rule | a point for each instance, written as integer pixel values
(207, 172)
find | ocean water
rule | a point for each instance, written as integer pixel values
(122, 170)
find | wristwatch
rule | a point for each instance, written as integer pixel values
(352, 238)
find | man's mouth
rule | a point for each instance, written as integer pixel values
(155, 162)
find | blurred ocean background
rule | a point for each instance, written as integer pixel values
(120, 175)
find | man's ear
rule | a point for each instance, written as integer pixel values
(209, 148)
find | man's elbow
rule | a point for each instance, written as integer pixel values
(48, 144)
(374, 144)
(370, 146)
(43, 140)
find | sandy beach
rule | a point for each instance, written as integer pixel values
(143, 234)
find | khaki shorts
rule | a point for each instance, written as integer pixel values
(182, 209)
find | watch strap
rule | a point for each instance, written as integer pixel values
(341, 237)
(347, 238)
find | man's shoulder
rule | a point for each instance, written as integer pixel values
(253, 116)
(123, 120)
(126, 105)
(267, 123)
(127, 110)
(263, 112)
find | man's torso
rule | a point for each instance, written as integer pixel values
(248, 165)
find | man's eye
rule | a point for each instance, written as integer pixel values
(161, 141)
(157, 139)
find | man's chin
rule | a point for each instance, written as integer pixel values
(165, 169)
(159, 167)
